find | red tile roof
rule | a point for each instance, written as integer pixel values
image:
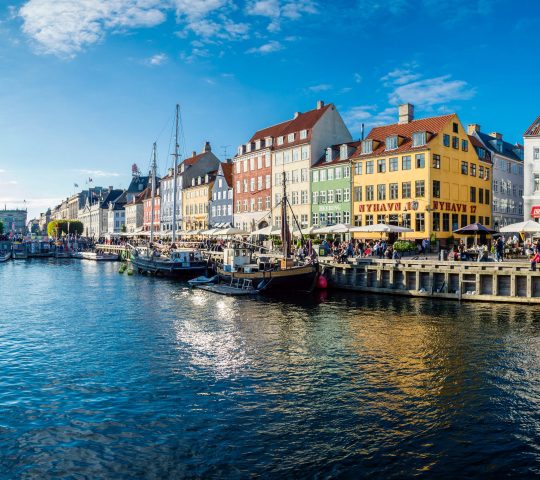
(304, 121)
(323, 163)
(227, 173)
(534, 129)
(433, 125)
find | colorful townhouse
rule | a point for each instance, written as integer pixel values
(195, 202)
(427, 174)
(531, 183)
(220, 211)
(331, 186)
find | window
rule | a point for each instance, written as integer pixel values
(455, 142)
(393, 191)
(295, 155)
(481, 171)
(346, 172)
(381, 192)
(536, 153)
(287, 156)
(295, 198)
(280, 140)
(245, 205)
(294, 176)
(436, 189)
(304, 197)
(322, 218)
(369, 193)
(290, 137)
(346, 217)
(473, 194)
(322, 175)
(418, 139)
(315, 198)
(358, 168)
(330, 196)
(420, 160)
(267, 160)
(339, 195)
(346, 194)
(259, 183)
(381, 218)
(381, 165)
(259, 204)
(406, 189)
(358, 220)
(446, 140)
(436, 161)
(338, 173)
(486, 221)
(391, 142)
(369, 166)
(238, 186)
(305, 152)
(455, 127)
(420, 222)
(406, 162)
(481, 153)
(268, 200)
(252, 184)
(303, 134)
(465, 145)
(419, 188)
(330, 174)
(436, 221)
(446, 222)
(473, 169)
(487, 174)
(536, 182)
(315, 219)
(369, 219)
(367, 146)
(252, 163)
(463, 221)
(315, 176)
(322, 196)
(393, 164)
(480, 196)
(267, 181)
(464, 168)
(357, 194)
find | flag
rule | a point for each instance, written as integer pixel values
(90, 180)
(76, 185)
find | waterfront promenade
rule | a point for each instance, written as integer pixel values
(114, 376)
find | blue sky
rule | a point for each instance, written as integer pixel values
(88, 85)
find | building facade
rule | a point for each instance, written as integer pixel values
(147, 210)
(428, 175)
(220, 211)
(331, 186)
(197, 165)
(134, 215)
(195, 201)
(14, 220)
(298, 146)
(531, 184)
(508, 174)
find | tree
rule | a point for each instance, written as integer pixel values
(1, 228)
(57, 227)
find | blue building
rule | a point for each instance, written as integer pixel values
(220, 213)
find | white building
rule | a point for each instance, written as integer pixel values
(531, 197)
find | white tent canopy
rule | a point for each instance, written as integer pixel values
(228, 232)
(527, 227)
(269, 230)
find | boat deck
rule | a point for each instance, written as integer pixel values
(227, 290)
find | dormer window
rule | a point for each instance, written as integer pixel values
(280, 140)
(192, 182)
(418, 139)
(391, 142)
(343, 152)
(303, 134)
(329, 154)
(268, 142)
(290, 137)
(257, 145)
(240, 150)
(481, 153)
(367, 146)
(248, 147)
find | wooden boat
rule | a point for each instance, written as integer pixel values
(283, 276)
(203, 280)
(228, 290)
(98, 256)
(5, 250)
(179, 263)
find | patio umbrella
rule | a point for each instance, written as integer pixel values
(382, 228)
(474, 229)
(527, 227)
(228, 232)
(269, 230)
(306, 231)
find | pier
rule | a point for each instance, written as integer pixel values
(472, 281)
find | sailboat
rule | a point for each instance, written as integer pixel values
(179, 262)
(286, 276)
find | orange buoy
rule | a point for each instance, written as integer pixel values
(322, 283)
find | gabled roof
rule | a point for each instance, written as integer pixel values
(337, 160)
(304, 121)
(434, 125)
(478, 144)
(508, 150)
(227, 169)
(138, 183)
(111, 195)
(534, 129)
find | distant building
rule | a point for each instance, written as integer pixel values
(220, 212)
(195, 202)
(507, 177)
(134, 214)
(14, 220)
(531, 187)
(146, 198)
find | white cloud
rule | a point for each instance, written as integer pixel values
(432, 91)
(270, 47)
(323, 87)
(10, 182)
(277, 10)
(400, 76)
(370, 116)
(2, 170)
(157, 59)
(264, 8)
(357, 78)
(98, 173)
(197, 9)
(65, 27)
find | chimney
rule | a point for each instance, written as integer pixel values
(320, 104)
(111, 188)
(193, 153)
(406, 113)
(496, 135)
(473, 127)
(296, 115)
(207, 148)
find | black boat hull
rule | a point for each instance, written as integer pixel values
(143, 265)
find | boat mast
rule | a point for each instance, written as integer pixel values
(284, 222)
(174, 176)
(154, 167)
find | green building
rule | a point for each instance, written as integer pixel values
(331, 186)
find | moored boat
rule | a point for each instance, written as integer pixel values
(178, 263)
(5, 250)
(97, 256)
(20, 251)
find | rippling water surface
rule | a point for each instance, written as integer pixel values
(110, 376)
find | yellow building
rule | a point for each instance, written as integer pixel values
(195, 200)
(427, 174)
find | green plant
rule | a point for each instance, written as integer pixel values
(404, 246)
(57, 227)
(123, 229)
(432, 239)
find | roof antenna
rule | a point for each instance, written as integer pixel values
(224, 147)
(362, 132)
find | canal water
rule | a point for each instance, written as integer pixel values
(105, 375)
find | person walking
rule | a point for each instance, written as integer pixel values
(499, 249)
